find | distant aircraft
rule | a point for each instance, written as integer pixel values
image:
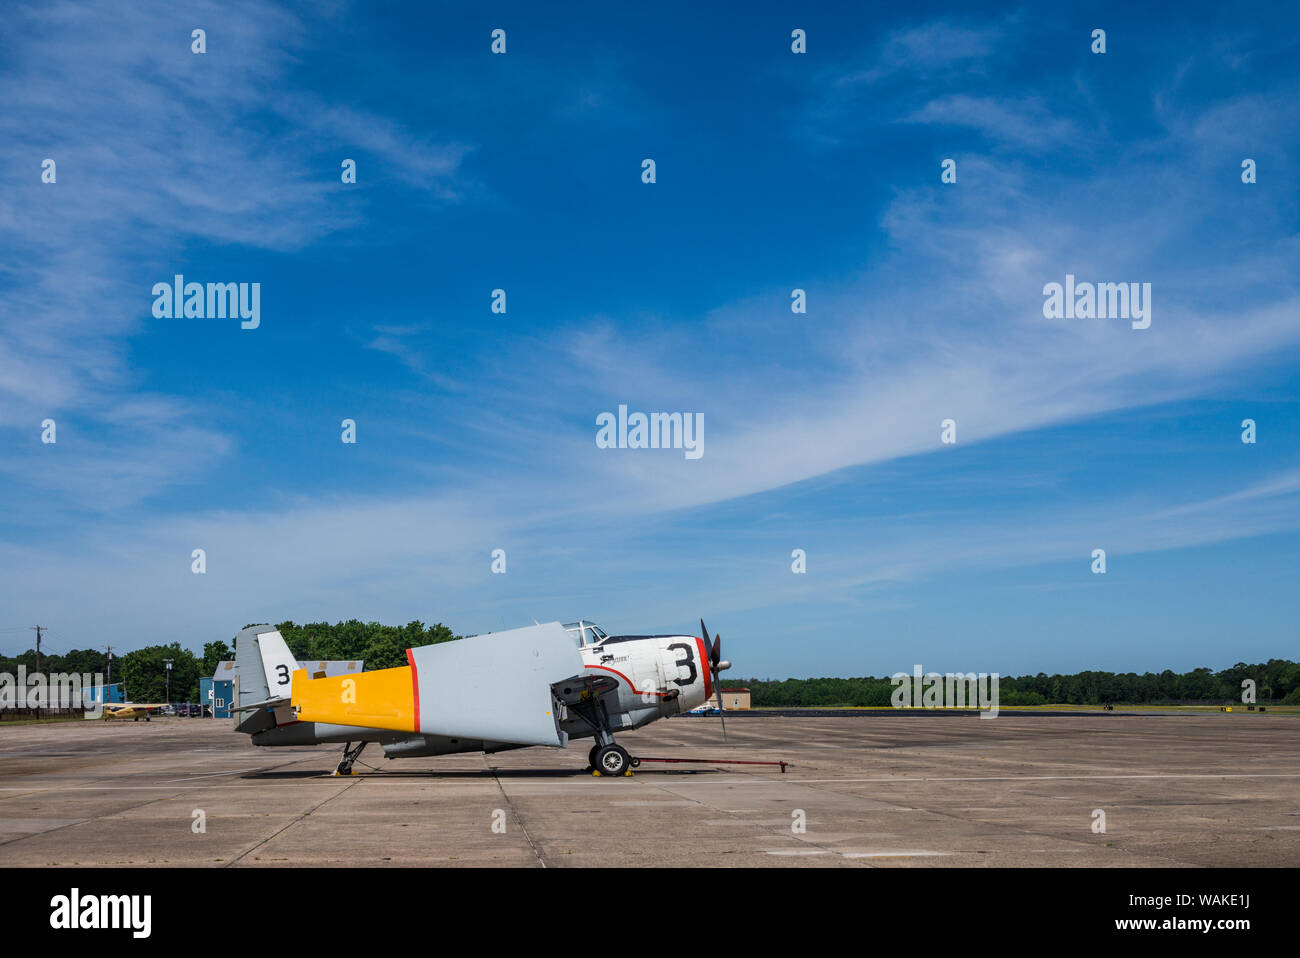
(130, 710)
(541, 685)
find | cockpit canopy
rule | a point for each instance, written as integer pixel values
(585, 633)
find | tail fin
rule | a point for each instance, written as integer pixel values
(265, 664)
(264, 667)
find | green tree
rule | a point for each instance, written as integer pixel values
(213, 654)
(144, 672)
(85, 662)
(380, 646)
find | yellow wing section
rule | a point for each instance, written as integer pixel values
(385, 698)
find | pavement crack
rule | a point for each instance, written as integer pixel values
(294, 821)
(514, 812)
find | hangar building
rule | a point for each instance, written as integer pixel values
(736, 699)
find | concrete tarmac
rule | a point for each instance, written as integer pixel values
(912, 791)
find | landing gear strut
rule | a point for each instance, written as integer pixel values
(605, 758)
(350, 755)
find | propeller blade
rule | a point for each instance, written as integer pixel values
(715, 656)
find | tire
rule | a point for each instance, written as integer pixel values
(613, 760)
(591, 756)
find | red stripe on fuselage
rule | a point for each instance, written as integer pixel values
(415, 686)
(606, 668)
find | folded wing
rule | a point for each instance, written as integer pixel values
(494, 687)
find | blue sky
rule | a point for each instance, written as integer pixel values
(476, 431)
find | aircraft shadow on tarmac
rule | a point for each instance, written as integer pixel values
(459, 773)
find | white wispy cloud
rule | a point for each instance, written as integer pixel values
(1024, 122)
(156, 148)
(940, 45)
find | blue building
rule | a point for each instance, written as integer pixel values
(97, 693)
(223, 694)
(216, 695)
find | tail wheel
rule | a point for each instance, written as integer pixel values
(612, 760)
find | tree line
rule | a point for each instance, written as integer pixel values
(1276, 681)
(143, 672)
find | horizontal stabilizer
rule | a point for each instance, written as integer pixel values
(269, 703)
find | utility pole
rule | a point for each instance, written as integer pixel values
(38, 659)
(108, 681)
(169, 680)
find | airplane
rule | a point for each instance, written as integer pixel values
(708, 708)
(545, 684)
(130, 710)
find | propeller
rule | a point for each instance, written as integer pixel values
(716, 665)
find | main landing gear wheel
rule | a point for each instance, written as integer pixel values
(350, 755)
(591, 756)
(612, 760)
